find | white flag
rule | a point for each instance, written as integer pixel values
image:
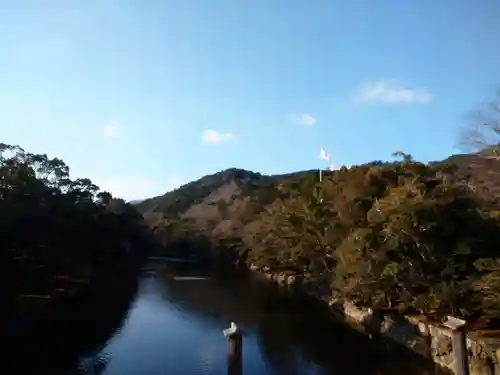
(324, 155)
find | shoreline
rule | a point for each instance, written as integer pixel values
(430, 340)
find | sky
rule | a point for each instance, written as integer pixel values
(144, 95)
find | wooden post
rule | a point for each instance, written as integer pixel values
(321, 180)
(459, 342)
(234, 349)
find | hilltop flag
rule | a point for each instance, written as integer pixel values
(324, 155)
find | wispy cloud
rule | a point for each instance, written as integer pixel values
(302, 119)
(112, 130)
(392, 92)
(212, 136)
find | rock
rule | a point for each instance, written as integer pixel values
(281, 279)
(476, 349)
(479, 366)
(422, 328)
(497, 352)
(441, 346)
(430, 340)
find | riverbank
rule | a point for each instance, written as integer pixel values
(428, 339)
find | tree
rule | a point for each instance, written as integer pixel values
(52, 225)
(104, 198)
(487, 286)
(482, 130)
(406, 158)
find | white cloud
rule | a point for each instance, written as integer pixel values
(212, 136)
(112, 130)
(303, 119)
(392, 92)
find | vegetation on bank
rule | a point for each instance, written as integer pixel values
(399, 235)
(404, 235)
(59, 235)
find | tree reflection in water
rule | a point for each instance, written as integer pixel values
(80, 328)
(291, 333)
(93, 365)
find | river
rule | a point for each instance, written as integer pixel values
(173, 325)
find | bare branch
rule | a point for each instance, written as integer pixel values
(481, 132)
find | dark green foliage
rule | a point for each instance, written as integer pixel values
(53, 228)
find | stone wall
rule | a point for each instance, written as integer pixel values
(430, 340)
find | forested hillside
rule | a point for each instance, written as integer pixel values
(57, 235)
(400, 234)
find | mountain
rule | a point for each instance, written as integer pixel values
(237, 205)
(221, 201)
(227, 194)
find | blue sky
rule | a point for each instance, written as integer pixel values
(141, 95)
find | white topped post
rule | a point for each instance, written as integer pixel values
(459, 342)
(234, 337)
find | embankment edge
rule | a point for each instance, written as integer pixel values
(430, 340)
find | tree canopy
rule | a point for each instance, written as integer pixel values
(53, 227)
(391, 235)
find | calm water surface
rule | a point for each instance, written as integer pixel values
(174, 326)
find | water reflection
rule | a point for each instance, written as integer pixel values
(292, 336)
(169, 325)
(93, 365)
(57, 340)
